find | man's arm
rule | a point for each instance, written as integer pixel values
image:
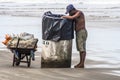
(72, 17)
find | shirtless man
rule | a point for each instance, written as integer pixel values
(81, 32)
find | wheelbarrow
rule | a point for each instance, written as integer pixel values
(24, 55)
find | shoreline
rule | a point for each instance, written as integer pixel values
(102, 60)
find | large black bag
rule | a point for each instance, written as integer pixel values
(55, 28)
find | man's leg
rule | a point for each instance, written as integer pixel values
(81, 47)
(82, 60)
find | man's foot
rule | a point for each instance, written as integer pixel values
(79, 66)
(76, 65)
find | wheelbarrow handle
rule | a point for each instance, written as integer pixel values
(17, 43)
(35, 44)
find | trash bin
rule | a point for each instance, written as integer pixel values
(57, 35)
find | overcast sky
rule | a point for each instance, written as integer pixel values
(66, 1)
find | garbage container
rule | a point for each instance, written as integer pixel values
(57, 35)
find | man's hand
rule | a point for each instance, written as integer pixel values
(62, 17)
(77, 14)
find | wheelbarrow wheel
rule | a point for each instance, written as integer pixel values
(29, 61)
(17, 62)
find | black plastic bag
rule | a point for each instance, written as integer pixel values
(55, 28)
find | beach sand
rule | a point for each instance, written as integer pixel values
(103, 47)
(8, 72)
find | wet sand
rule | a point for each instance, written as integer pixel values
(103, 47)
(8, 72)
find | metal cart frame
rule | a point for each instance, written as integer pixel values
(21, 53)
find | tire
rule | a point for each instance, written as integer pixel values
(17, 62)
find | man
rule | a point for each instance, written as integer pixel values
(81, 32)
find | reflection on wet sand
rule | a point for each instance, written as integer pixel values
(103, 46)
